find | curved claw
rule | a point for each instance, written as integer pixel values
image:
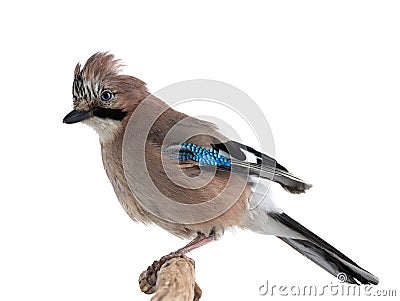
(152, 270)
(148, 279)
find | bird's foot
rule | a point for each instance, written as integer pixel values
(151, 272)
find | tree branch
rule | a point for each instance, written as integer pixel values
(175, 281)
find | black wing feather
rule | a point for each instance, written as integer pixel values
(264, 167)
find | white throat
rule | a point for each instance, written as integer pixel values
(106, 128)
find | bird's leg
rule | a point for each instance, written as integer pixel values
(197, 242)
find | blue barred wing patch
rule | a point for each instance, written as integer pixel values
(212, 156)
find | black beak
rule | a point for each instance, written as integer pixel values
(76, 116)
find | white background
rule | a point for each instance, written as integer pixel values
(326, 75)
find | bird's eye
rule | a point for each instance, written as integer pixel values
(106, 95)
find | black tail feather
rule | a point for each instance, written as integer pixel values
(323, 254)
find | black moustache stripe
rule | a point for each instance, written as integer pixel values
(109, 113)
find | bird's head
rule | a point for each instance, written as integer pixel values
(102, 97)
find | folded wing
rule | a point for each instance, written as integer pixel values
(235, 157)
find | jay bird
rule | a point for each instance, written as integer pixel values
(108, 101)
